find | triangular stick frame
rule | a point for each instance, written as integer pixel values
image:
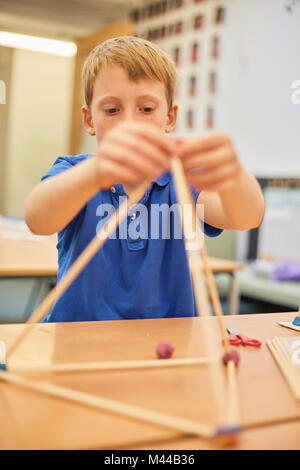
(198, 264)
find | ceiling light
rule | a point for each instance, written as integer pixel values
(35, 43)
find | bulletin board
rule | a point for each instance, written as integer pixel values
(238, 67)
(279, 234)
(191, 32)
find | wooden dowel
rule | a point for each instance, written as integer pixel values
(294, 371)
(232, 405)
(186, 198)
(285, 369)
(79, 264)
(215, 299)
(139, 413)
(232, 417)
(200, 290)
(290, 372)
(210, 343)
(208, 272)
(111, 365)
(233, 411)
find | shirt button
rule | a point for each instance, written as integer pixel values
(133, 216)
(113, 189)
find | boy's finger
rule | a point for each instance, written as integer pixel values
(209, 178)
(203, 143)
(114, 169)
(144, 147)
(130, 158)
(208, 159)
(221, 185)
(153, 134)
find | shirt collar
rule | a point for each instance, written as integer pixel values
(163, 180)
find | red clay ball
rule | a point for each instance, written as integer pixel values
(232, 356)
(228, 440)
(165, 350)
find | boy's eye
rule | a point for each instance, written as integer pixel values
(146, 109)
(111, 110)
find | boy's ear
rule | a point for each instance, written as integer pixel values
(87, 120)
(171, 118)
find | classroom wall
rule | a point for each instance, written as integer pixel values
(88, 143)
(38, 127)
(5, 73)
(255, 70)
(260, 64)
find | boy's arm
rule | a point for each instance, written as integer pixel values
(240, 207)
(52, 204)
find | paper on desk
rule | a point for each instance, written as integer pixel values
(21, 235)
(2, 352)
(289, 324)
(13, 222)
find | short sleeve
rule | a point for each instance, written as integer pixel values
(62, 164)
(209, 230)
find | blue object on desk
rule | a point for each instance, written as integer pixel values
(296, 321)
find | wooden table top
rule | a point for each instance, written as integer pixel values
(270, 415)
(219, 265)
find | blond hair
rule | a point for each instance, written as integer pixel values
(140, 58)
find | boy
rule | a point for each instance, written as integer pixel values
(129, 87)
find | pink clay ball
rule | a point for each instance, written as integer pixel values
(233, 355)
(165, 350)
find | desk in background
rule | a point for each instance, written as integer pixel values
(24, 255)
(29, 258)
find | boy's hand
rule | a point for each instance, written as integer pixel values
(130, 152)
(210, 162)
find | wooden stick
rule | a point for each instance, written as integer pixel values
(215, 299)
(200, 291)
(110, 365)
(143, 414)
(233, 410)
(233, 415)
(208, 272)
(285, 368)
(294, 370)
(201, 243)
(79, 264)
(210, 341)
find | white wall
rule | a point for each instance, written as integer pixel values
(261, 60)
(88, 143)
(38, 124)
(5, 74)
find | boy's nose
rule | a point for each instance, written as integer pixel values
(130, 115)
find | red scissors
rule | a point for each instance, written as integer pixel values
(237, 338)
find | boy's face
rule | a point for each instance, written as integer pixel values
(118, 99)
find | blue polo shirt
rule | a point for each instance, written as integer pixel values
(141, 271)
